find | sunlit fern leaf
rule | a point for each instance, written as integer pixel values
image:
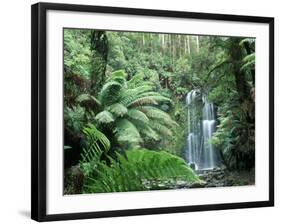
(137, 115)
(104, 117)
(118, 109)
(127, 133)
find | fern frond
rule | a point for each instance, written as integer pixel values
(87, 97)
(96, 144)
(138, 115)
(149, 133)
(110, 92)
(157, 114)
(118, 109)
(249, 40)
(130, 95)
(104, 117)
(126, 133)
(135, 81)
(140, 171)
(160, 128)
(147, 100)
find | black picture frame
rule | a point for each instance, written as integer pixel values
(38, 108)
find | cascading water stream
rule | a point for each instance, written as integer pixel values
(201, 126)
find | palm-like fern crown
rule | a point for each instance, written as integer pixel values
(131, 108)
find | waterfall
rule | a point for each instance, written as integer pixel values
(201, 125)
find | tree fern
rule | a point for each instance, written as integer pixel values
(129, 109)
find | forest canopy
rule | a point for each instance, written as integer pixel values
(150, 111)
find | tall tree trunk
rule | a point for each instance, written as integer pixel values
(163, 43)
(236, 58)
(143, 39)
(188, 44)
(99, 47)
(197, 44)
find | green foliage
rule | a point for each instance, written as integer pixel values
(85, 97)
(236, 128)
(104, 117)
(126, 90)
(74, 118)
(127, 133)
(140, 167)
(235, 136)
(130, 107)
(77, 51)
(96, 144)
(118, 109)
(248, 61)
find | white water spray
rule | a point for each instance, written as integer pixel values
(201, 122)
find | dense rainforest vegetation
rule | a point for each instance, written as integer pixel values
(127, 110)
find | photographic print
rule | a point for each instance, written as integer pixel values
(144, 111)
(157, 111)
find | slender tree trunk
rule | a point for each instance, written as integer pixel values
(185, 44)
(99, 46)
(188, 44)
(197, 43)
